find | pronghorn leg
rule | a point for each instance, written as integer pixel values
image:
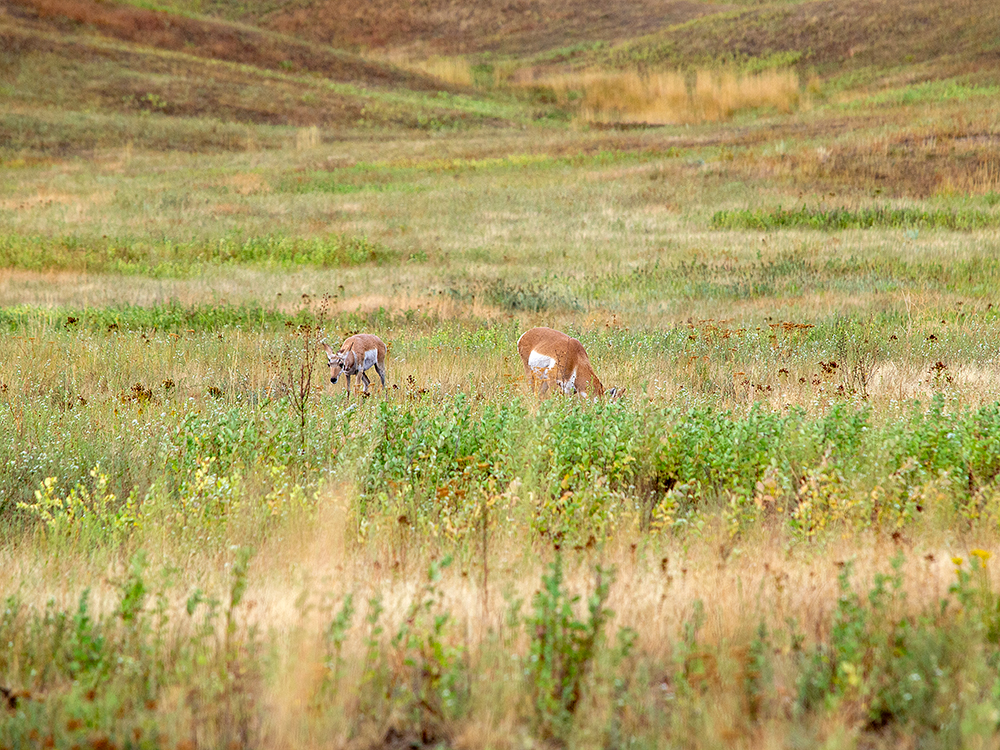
(348, 385)
(366, 381)
(380, 369)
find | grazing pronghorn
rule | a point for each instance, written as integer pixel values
(552, 355)
(357, 354)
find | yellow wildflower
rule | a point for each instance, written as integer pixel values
(982, 554)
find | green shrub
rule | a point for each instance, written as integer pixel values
(563, 649)
(903, 670)
(86, 518)
(431, 461)
(433, 687)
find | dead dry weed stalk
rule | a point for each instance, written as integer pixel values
(300, 363)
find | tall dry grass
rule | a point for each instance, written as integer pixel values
(307, 138)
(456, 71)
(670, 98)
(632, 97)
(300, 578)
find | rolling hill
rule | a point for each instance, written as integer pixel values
(77, 75)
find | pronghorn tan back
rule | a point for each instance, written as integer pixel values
(550, 356)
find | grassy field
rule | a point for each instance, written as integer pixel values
(780, 536)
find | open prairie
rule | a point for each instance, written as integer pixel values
(775, 225)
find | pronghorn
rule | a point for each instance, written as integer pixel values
(357, 354)
(552, 355)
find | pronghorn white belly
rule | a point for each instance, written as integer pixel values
(540, 363)
(371, 357)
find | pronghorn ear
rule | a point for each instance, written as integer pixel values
(328, 349)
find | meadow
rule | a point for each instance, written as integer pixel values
(780, 536)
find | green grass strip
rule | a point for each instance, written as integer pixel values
(865, 218)
(171, 316)
(166, 257)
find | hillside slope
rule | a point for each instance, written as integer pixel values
(825, 36)
(829, 36)
(508, 27)
(70, 71)
(203, 37)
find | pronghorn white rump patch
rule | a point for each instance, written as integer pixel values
(371, 357)
(538, 361)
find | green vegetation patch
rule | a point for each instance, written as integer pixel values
(166, 257)
(865, 218)
(428, 456)
(174, 316)
(928, 92)
(336, 183)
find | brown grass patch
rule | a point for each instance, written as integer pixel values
(913, 164)
(247, 183)
(41, 199)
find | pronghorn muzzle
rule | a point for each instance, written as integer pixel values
(336, 368)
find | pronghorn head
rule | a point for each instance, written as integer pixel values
(337, 362)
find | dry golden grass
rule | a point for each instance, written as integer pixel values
(307, 138)
(448, 69)
(300, 577)
(667, 98)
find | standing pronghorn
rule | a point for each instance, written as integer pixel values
(357, 354)
(552, 355)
